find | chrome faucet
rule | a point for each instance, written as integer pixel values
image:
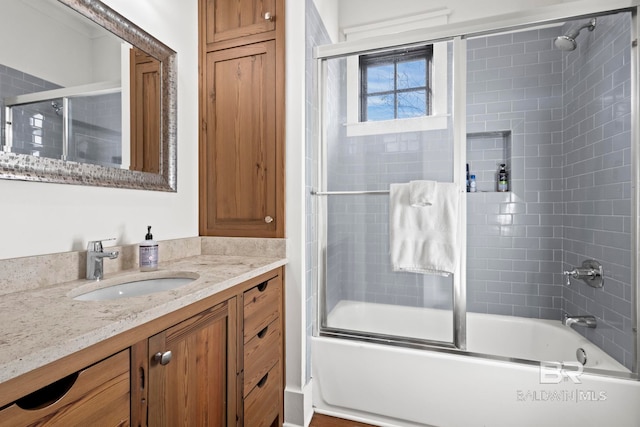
(588, 321)
(95, 255)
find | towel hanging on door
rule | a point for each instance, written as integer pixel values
(424, 239)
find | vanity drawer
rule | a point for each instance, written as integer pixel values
(261, 306)
(262, 405)
(98, 396)
(261, 353)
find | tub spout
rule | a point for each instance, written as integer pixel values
(588, 321)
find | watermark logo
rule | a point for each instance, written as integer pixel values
(561, 396)
(556, 372)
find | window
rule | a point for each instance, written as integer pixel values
(395, 85)
(435, 87)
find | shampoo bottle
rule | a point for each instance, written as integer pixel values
(503, 178)
(148, 252)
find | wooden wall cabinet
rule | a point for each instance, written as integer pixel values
(228, 20)
(242, 118)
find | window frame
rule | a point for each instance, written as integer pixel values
(394, 58)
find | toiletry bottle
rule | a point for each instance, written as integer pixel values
(467, 177)
(148, 252)
(473, 186)
(503, 178)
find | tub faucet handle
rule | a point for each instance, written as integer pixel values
(591, 273)
(567, 275)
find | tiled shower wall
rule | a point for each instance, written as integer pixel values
(14, 82)
(597, 180)
(96, 127)
(514, 239)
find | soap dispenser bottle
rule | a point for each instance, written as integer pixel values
(148, 252)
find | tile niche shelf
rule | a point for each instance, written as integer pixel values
(485, 152)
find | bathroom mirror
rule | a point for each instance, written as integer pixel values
(86, 97)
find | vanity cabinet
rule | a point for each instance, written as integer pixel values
(242, 118)
(217, 362)
(219, 368)
(95, 396)
(262, 387)
(192, 371)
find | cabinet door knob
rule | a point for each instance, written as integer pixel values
(268, 219)
(163, 358)
(268, 16)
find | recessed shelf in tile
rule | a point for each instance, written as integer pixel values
(485, 152)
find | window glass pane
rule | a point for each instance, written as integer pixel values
(412, 104)
(412, 74)
(380, 78)
(380, 107)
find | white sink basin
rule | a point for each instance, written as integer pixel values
(135, 288)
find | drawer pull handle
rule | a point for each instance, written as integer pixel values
(262, 286)
(263, 332)
(263, 381)
(268, 219)
(47, 395)
(163, 358)
(268, 16)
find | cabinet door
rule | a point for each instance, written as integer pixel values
(242, 172)
(145, 112)
(231, 19)
(195, 384)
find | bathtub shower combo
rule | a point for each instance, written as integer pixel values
(537, 324)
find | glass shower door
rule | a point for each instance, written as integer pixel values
(379, 127)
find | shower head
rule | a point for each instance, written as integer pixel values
(568, 41)
(56, 106)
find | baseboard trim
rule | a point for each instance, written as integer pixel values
(298, 406)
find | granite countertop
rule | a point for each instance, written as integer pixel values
(42, 325)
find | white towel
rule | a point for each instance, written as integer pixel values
(424, 239)
(422, 193)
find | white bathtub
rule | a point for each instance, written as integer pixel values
(395, 386)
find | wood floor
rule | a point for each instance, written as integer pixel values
(326, 421)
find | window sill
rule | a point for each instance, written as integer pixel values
(382, 127)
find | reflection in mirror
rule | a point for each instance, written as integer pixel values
(85, 101)
(145, 111)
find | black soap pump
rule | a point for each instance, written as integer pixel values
(148, 252)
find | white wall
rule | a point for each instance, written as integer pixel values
(39, 218)
(57, 51)
(329, 11)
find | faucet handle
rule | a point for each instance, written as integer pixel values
(96, 245)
